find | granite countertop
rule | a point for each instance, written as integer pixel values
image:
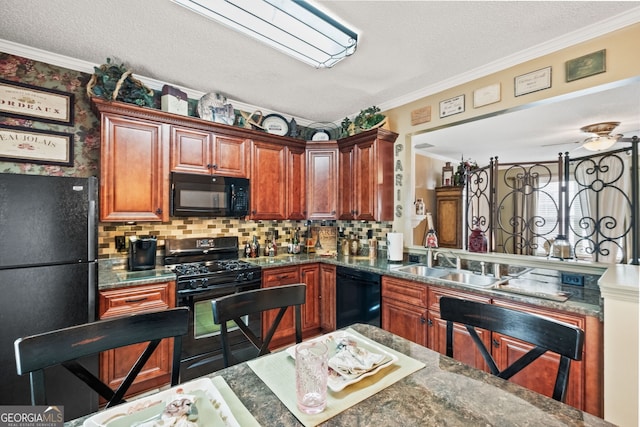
(444, 392)
(582, 300)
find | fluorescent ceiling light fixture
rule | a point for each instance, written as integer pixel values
(293, 27)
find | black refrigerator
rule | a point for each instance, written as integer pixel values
(48, 277)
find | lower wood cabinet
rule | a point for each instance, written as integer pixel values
(585, 376)
(327, 297)
(115, 364)
(464, 349)
(412, 310)
(320, 299)
(404, 309)
(286, 330)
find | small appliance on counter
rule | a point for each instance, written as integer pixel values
(394, 247)
(142, 252)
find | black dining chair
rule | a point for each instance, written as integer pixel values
(64, 346)
(234, 307)
(544, 333)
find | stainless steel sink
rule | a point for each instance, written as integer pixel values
(423, 270)
(470, 279)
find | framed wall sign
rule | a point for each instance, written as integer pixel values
(452, 106)
(587, 65)
(28, 145)
(486, 95)
(29, 102)
(533, 81)
(421, 115)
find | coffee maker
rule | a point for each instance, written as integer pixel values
(142, 252)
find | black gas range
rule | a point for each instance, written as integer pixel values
(209, 268)
(208, 264)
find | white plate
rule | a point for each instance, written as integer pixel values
(275, 124)
(212, 409)
(337, 381)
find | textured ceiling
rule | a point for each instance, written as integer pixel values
(404, 46)
(407, 49)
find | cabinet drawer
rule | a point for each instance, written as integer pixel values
(435, 293)
(405, 291)
(117, 302)
(280, 276)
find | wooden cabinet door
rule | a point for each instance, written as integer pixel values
(286, 332)
(464, 349)
(322, 183)
(365, 177)
(115, 364)
(328, 297)
(405, 320)
(268, 187)
(346, 179)
(134, 162)
(404, 309)
(296, 180)
(449, 217)
(190, 151)
(230, 156)
(310, 275)
(541, 374)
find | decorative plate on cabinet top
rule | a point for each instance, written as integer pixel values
(275, 124)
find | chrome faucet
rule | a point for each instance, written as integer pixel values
(458, 262)
(429, 258)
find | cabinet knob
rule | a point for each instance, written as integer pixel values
(159, 211)
(430, 322)
(496, 343)
(209, 166)
(215, 166)
(333, 212)
(423, 320)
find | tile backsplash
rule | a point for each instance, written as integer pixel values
(216, 227)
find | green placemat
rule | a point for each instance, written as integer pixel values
(239, 411)
(277, 371)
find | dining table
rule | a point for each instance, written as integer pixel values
(420, 388)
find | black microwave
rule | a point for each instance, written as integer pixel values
(208, 196)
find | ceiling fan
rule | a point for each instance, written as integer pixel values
(603, 138)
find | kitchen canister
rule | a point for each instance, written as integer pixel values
(394, 247)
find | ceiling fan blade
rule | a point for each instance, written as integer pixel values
(561, 143)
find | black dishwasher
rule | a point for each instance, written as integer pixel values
(357, 297)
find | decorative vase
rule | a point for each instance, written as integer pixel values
(477, 241)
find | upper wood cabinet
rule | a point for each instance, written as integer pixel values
(322, 180)
(449, 216)
(296, 179)
(134, 165)
(268, 196)
(366, 176)
(204, 152)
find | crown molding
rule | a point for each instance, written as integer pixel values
(576, 37)
(87, 67)
(593, 31)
